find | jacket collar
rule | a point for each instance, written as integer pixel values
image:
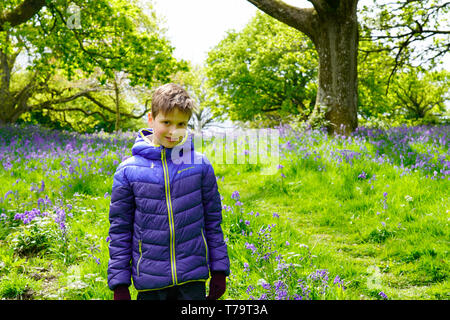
(143, 146)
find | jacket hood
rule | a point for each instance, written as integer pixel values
(145, 148)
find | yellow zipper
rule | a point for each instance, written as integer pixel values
(173, 266)
(140, 257)
(206, 246)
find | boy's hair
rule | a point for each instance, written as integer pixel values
(170, 96)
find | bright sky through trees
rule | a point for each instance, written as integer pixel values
(195, 26)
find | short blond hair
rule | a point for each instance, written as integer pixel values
(170, 96)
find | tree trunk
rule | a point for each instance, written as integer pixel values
(117, 101)
(337, 45)
(332, 25)
(12, 103)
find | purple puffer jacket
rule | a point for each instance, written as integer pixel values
(165, 218)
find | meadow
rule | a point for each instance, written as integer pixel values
(359, 217)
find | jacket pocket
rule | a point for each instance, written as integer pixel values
(140, 257)
(206, 247)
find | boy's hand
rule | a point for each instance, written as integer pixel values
(217, 285)
(121, 292)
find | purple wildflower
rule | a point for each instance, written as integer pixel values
(339, 282)
(281, 295)
(385, 200)
(263, 297)
(250, 246)
(42, 186)
(40, 200)
(235, 195)
(265, 285)
(249, 289)
(362, 175)
(60, 219)
(383, 295)
(319, 274)
(7, 165)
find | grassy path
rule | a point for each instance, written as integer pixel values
(345, 233)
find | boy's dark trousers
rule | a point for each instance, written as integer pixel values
(189, 291)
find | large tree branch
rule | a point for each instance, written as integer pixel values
(22, 13)
(48, 103)
(302, 19)
(101, 105)
(87, 113)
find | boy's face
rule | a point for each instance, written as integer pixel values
(168, 129)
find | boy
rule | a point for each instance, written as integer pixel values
(165, 215)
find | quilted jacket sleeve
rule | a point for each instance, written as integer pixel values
(121, 217)
(218, 256)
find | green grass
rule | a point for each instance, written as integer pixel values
(342, 218)
(328, 218)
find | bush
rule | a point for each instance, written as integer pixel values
(18, 287)
(33, 238)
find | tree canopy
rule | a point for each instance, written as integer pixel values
(81, 39)
(265, 71)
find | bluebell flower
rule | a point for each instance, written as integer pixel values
(235, 195)
(362, 175)
(42, 186)
(40, 200)
(265, 285)
(8, 193)
(250, 246)
(281, 295)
